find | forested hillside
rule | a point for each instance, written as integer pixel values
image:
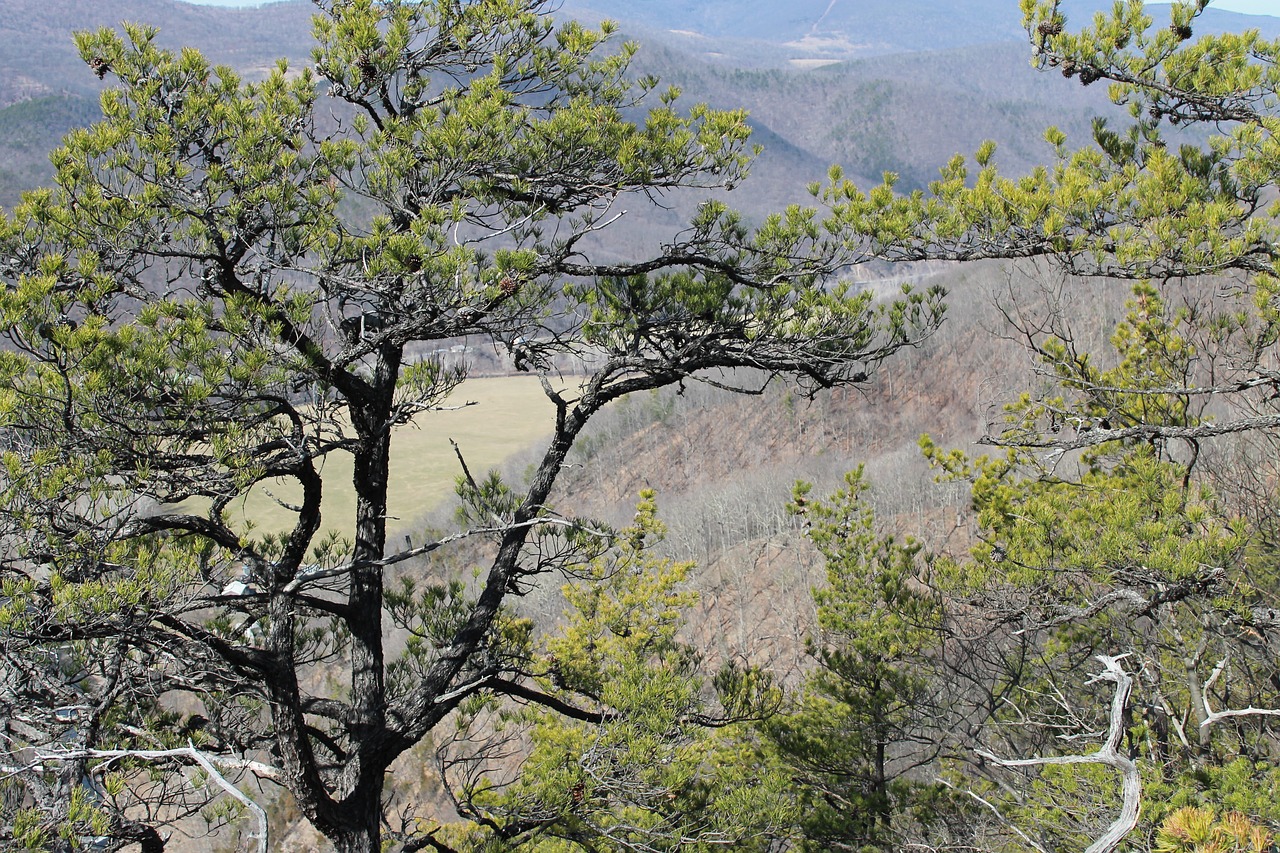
(938, 515)
(907, 109)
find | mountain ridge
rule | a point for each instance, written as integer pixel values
(907, 110)
(835, 30)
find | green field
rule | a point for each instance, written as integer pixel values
(509, 415)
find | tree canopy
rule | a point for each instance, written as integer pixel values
(1124, 566)
(231, 282)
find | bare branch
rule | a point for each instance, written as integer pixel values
(188, 752)
(995, 811)
(312, 575)
(1108, 754)
(1212, 717)
(1145, 432)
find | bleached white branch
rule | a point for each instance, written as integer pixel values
(188, 752)
(1211, 717)
(1108, 754)
(1217, 716)
(259, 769)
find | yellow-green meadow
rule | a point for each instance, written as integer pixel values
(506, 415)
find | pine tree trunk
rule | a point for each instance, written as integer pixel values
(362, 836)
(364, 775)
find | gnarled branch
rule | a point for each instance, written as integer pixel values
(1108, 754)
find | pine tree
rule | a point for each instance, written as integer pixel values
(232, 282)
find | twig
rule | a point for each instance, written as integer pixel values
(995, 811)
(316, 574)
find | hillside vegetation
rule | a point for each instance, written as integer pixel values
(745, 543)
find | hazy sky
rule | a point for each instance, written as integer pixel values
(1252, 7)
(1249, 7)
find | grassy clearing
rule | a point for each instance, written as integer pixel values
(509, 415)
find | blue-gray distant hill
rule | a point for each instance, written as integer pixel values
(45, 90)
(760, 31)
(874, 85)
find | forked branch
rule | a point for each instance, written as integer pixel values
(189, 753)
(1211, 717)
(1109, 754)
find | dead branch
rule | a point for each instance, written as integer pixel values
(1108, 754)
(188, 752)
(1212, 717)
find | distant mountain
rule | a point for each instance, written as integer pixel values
(875, 85)
(38, 58)
(45, 90)
(819, 28)
(765, 32)
(904, 113)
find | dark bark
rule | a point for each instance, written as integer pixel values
(363, 776)
(146, 837)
